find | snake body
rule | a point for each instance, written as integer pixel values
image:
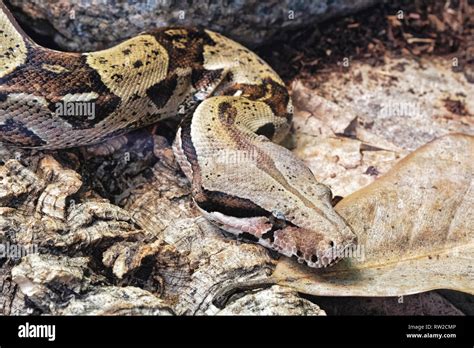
(235, 110)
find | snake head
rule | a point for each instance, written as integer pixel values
(251, 187)
(273, 200)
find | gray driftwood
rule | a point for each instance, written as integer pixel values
(143, 250)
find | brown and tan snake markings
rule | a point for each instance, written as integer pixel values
(235, 109)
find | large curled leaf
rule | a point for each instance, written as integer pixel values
(415, 229)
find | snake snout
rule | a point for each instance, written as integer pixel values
(326, 253)
(334, 252)
(313, 248)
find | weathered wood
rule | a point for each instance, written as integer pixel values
(150, 254)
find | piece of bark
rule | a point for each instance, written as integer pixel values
(113, 300)
(276, 300)
(12, 300)
(50, 281)
(88, 248)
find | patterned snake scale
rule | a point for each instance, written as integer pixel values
(236, 111)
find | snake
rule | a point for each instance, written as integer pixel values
(234, 113)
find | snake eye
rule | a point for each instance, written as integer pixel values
(267, 130)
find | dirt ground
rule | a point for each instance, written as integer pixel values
(409, 29)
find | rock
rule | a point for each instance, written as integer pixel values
(97, 24)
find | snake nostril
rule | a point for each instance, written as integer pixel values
(314, 258)
(299, 253)
(331, 244)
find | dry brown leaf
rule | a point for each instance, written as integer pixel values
(415, 227)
